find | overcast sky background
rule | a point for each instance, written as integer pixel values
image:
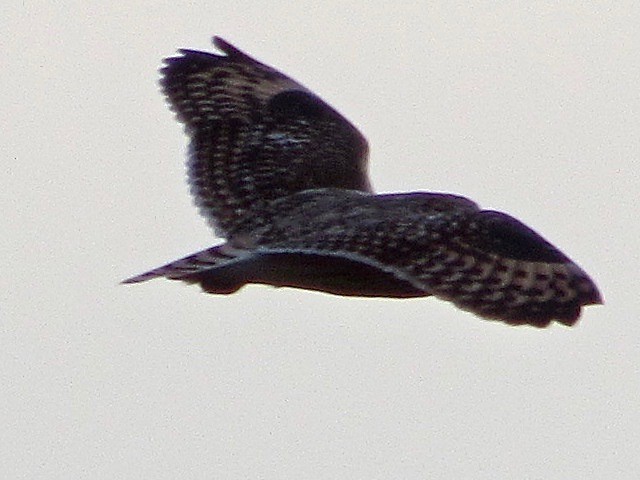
(529, 108)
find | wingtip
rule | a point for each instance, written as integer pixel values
(588, 291)
(226, 47)
(596, 298)
(186, 55)
(220, 42)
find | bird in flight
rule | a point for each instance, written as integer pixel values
(282, 176)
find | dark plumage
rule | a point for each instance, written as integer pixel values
(283, 177)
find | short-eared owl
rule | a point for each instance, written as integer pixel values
(282, 177)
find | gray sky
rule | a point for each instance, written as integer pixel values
(533, 110)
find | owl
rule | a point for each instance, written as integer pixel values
(282, 176)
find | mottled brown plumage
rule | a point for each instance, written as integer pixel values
(282, 176)
(256, 135)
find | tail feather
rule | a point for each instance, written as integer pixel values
(185, 268)
(224, 270)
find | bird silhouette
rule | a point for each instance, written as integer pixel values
(282, 176)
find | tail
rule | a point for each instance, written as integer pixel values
(194, 268)
(224, 270)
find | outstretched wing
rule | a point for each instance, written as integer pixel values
(256, 135)
(399, 246)
(483, 261)
(498, 268)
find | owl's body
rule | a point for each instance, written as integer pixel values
(282, 176)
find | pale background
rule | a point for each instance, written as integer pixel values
(528, 107)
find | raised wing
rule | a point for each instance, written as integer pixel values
(256, 135)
